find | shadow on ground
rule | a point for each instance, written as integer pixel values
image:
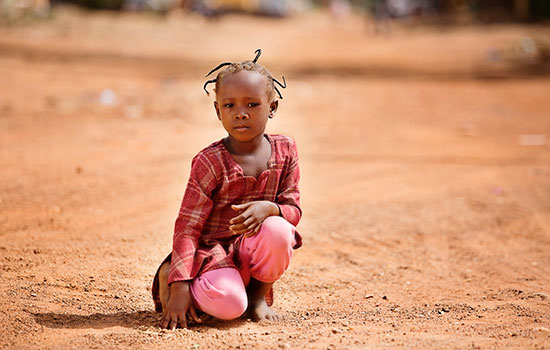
(134, 320)
(98, 320)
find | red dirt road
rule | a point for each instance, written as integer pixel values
(426, 213)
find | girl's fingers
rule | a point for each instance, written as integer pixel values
(164, 322)
(253, 230)
(237, 219)
(238, 229)
(168, 319)
(243, 215)
(174, 322)
(249, 234)
(241, 206)
(194, 314)
(246, 227)
(249, 221)
(183, 321)
(241, 226)
(242, 232)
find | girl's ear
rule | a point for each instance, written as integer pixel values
(273, 108)
(217, 109)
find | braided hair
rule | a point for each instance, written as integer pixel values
(252, 66)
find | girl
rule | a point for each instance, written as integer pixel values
(235, 231)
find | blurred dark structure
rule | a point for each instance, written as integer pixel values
(272, 8)
(275, 8)
(499, 10)
(485, 11)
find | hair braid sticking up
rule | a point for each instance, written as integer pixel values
(248, 66)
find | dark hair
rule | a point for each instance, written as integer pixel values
(248, 66)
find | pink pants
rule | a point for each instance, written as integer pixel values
(265, 256)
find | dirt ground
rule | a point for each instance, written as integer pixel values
(425, 180)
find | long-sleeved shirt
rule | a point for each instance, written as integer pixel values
(202, 239)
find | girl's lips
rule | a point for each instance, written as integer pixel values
(240, 127)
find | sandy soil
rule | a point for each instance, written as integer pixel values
(426, 216)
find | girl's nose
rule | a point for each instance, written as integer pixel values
(241, 116)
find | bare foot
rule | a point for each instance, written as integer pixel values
(257, 307)
(260, 311)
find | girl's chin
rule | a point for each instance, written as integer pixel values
(244, 136)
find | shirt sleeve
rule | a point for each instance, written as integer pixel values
(194, 211)
(288, 196)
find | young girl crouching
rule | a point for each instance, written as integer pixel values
(235, 231)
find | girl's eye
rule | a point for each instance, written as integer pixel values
(228, 105)
(253, 104)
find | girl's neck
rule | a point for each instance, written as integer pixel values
(244, 147)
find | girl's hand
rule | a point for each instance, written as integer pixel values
(250, 220)
(178, 306)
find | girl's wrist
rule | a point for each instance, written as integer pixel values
(179, 286)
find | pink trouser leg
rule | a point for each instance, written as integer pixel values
(220, 293)
(264, 256)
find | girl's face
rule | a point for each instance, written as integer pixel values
(242, 105)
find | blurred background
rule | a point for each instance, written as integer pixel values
(428, 10)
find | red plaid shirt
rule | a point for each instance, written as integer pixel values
(202, 239)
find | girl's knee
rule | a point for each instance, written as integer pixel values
(230, 307)
(220, 293)
(268, 253)
(278, 231)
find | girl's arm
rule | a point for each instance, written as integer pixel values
(288, 197)
(195, 209)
